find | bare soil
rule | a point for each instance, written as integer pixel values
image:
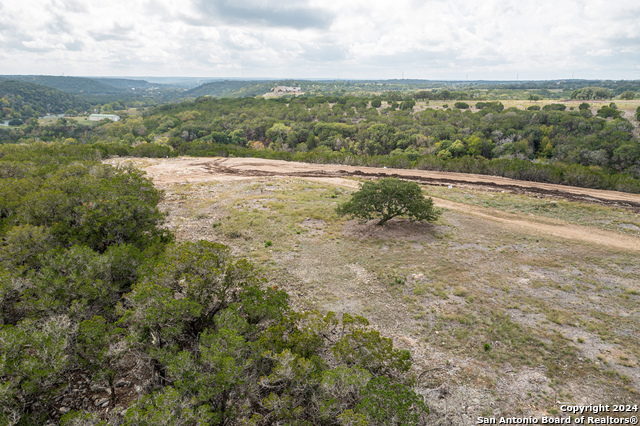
(188, 169)
(193, 170)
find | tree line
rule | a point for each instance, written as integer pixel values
(588, 146)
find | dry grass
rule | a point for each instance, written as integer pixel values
(592, 215)
(511, 319)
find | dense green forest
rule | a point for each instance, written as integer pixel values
(351, 125)
(21, 100)
(95, 296)
(98, 90)
(90, 85)
(592, 147)
(72, 85)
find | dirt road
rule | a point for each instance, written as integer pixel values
(193, 170)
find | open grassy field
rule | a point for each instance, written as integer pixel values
(502, 316)
(627, 106)
(78, 119)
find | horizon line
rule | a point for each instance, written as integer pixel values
(316, 79)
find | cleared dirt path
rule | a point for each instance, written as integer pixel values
(537, 225)
(193, 170)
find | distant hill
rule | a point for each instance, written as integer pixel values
(548, 88)
(72, 85)
(237, 88)
(126, 84)
(182, 82)
(152, 90)
(21, 99)
(231, 89)
(243, 88)
(103, 89)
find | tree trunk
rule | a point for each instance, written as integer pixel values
(382, 221)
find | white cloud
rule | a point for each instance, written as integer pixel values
(492, 39)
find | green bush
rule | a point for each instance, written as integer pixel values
(29, 376)
(608, 112)
(386, 403)
(407, 105)
(153, 150)
(554, 107)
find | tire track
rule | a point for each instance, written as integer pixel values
(252, 168)
(192, 170)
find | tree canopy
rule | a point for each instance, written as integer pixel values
(389, 198)
(592, 93)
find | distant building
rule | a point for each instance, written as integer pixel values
(286, 89)
(98, 117)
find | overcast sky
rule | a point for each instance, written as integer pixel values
(349, 39)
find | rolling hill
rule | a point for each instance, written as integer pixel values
(21, 99)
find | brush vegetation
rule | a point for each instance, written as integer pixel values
(90, 284)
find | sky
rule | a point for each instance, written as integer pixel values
(318, 39)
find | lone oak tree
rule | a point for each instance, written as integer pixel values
(388, 198)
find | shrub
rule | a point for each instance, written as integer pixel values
(554, 107)
(389, 404)
(495, 106)
(151, 150)
(608, 111)
(407, 105)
